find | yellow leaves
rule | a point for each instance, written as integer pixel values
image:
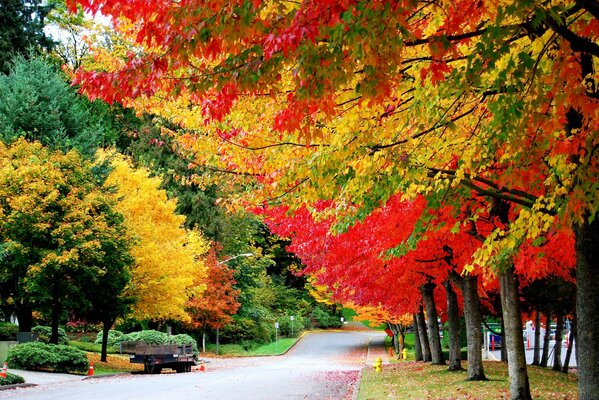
(168, 267)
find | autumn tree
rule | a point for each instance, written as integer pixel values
(214, 308)
(65, 245)
(168, 267)
(357, 101)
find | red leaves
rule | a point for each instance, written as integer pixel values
(438, 69)
(218, 107)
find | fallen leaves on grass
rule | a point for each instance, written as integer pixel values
(116, 361)
(418, 380)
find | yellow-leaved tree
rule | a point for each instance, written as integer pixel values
(169, 267)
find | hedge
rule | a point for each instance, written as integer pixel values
(45, 332)
(8, 331)
(11, 379)
(41, 356)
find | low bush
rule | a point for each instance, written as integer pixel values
(150, 337)
(11, 379)
(41, 356)
(285, 326)
(184, 339)
(8, 331)
(113, 337)
(45, 332)
(322, 319)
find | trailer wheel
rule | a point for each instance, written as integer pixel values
(152, 369)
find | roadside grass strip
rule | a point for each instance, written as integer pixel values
(418, 380)
(115, 363)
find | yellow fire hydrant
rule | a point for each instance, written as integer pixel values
(378, 364)
(404, 354)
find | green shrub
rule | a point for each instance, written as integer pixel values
(322, 319)
(8, 331)
(56, 357)
(285, 326)
(149, 337)
(184, 339)
(11, 379)
(246, 329)
(45, 332)
(113, 337)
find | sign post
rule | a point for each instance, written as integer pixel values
(292, 318)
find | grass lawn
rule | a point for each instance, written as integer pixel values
(418, 380)
(269, 349)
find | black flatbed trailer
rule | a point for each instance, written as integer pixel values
(178, 357)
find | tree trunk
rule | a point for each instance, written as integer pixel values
(546, 338)
(426, 347)
(572, 337)
(25, 317)
(557, 349)
(55, 322)
(432, 323)
(512, 319)
(587, 304)
(417, 345)
(503, 351)
(537, 347)
(204, 341)
(474, 321)
(453, 320)
(106, 325)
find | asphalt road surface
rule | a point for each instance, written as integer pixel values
(323, 365)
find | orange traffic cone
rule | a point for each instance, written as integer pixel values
(202, 368)
(4, 370)
(90, 371)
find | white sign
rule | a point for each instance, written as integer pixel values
(276, 325)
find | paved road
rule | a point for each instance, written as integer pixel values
(322, 365)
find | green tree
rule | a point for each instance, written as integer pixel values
(66, 248)
(22, 29)
(37, 103)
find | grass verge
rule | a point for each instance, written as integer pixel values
(115, 363)
(418, 380)
(269, 349)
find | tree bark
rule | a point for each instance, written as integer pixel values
(453, 320)
(474, 321)
(426, 347)
(25, 317)
(432, 323)
(572, 337)
(512, 319)
(504, 357)
(55, 321)
(557, 349)
(417, 345)
(587, 304)
(546, 338)
(106, 325)
(537, 346)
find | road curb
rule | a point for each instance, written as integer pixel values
(106, 375)
(16, 386)
(357, 385)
